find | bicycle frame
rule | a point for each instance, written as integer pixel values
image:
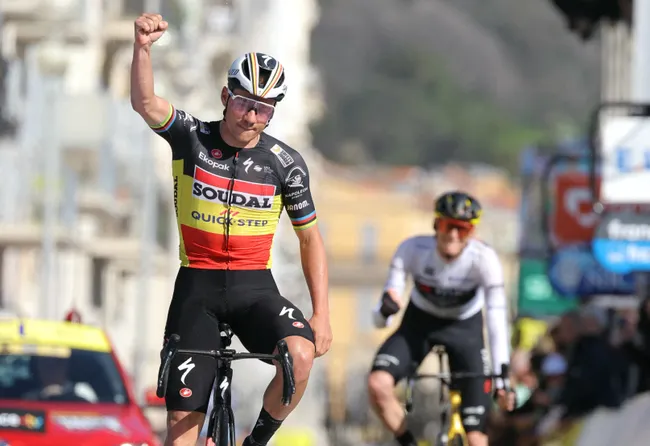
(221, 424)
(452, 430)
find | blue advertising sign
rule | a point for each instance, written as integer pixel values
(622, 242)
(574, 271)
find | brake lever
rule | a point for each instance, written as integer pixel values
(167, 354)
(505, 376)
(289, 382)
(409, 395)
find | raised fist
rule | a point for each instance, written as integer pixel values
(149, 28)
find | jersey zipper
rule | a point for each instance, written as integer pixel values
(231, 187)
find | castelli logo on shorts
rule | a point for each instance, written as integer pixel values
(216, 153)
(185, 392)
(298, 324)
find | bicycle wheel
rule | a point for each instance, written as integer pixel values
(441, 439)
(455, 441)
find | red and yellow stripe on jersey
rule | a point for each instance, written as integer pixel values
(215, 239)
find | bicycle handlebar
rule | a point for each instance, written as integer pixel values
(466, 375)
(447, 377)
(283, 357)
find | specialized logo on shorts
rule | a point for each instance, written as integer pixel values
(186, 367)
(288, 312)
(185, 392)
(298, 324)
(216, 189)
(285, 159)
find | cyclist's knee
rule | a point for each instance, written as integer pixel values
(477, 438)
(302, 352)
(380, 385)
(183, 427)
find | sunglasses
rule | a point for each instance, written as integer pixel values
(446, 225)
(242, 105)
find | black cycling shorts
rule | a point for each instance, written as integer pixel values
(249, 301)
(419, 331)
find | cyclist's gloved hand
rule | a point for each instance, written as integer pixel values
(388, 306)
(504, 396)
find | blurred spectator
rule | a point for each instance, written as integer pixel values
(635, 344)
(597, 372)
(565, 333)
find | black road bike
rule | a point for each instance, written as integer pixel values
(221, 424)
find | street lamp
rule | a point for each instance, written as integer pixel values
(52, 63)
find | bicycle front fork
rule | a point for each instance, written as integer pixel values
(221, 427)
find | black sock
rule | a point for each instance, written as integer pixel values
(264, 429)
(406, 439)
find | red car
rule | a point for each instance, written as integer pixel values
(61, 384)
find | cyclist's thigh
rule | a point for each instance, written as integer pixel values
(466, 352)
(191, 376)
(259, 315)
(404, 350)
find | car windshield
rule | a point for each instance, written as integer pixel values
(60, 374)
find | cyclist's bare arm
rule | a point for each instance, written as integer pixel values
(153, 109)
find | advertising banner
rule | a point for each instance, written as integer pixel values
(536, 295)
(625, 157)
(622, 242)
(573, 271)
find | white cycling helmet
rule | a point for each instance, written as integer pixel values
(259, 74)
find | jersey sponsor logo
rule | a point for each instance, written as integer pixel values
(296, 177)
(176, 195)
(296, 193)
(212, 163)
(285, 159)
(296, 207)
(215, 189)
(248, 163)
(223, 219)
(216, 153)
(445, 297)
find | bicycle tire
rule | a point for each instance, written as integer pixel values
(456, 441)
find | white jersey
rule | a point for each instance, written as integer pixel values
(455, 290)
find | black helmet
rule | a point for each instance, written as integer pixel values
(459, 206)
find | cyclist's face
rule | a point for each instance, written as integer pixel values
(452, 235)
(246, 115)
